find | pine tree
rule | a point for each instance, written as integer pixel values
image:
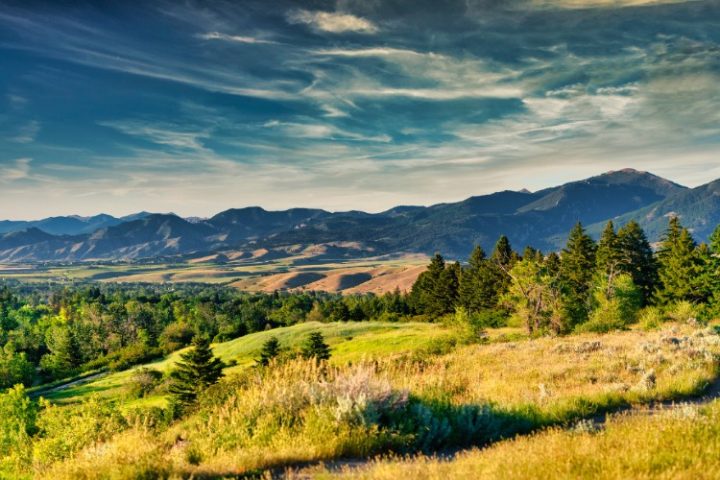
(637, 259)
(608, 259)
(577, 266)
(436, 289)
(503, 258)
(197, 370)
(552, 264)
(681, 267)
(315, 347)
(270, 350)
(503, 253)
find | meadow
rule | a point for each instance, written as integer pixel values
(412, 397)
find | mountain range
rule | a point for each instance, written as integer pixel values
(541, 219)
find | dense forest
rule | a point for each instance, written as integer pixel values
(589, 286)
(52, 332)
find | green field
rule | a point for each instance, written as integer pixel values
(350, 342)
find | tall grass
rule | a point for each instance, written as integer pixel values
(680, 444)
(297, 412)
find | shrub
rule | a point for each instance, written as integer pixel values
(143, 382)
(132, 355)
(65, 430)
(617, 303)
(650, 318)
(18, 416)
(682, 311)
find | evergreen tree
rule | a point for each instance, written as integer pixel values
(552, 264)
(315, 347)
(503, 253)
(270, 350)
(712, 269)
(637, 259)
(681, 267)
(576, 276)
(503, 258)
(436, 289)
(197, 370)
(608, 259)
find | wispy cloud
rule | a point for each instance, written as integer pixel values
(332, 22)
(233, 38)
(575, 4)
(161, 134)
(17, 170)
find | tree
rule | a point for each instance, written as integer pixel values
(637, 258)
(19, 415)
(534, 297)
(315, 347)
(576, 273)
(15, 368)
(270, 350)
(197, 370)
(608, 258)
(681, 266)
(435, 291)
(616, 302)
(65, 356)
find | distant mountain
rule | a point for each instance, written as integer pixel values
(70, 225)
(541, 219)
(697, 208)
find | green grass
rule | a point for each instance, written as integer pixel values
(351, 341)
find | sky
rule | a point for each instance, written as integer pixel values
(197, 107)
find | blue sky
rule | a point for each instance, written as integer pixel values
(195, 107)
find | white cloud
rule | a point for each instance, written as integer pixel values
(232, 38)
(572, 4)
(322, 131)
(18, 170)
(371, 52)
(160, 134)
(333, 22)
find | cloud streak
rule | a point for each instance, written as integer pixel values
(332, 22)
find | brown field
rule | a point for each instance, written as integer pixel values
(300, 268)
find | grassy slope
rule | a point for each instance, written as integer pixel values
(350, 341)
(678, 444)
(290, 414)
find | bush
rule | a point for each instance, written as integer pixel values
(143, 382)
(63, 431)
(616, 305)
(18, 415)
(682, 312)
(132, 355)
(650, 318)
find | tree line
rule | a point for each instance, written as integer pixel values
(53, 332)
(589, 285)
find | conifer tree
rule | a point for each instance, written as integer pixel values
(270, 350)
(435, 291)
(637, 258)
(477, 288)
(503, 253)
(609, 255)
(576, 275)
(315, 347)
(552, 264)
(503, 258)
(197, 370)
(681, 267)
